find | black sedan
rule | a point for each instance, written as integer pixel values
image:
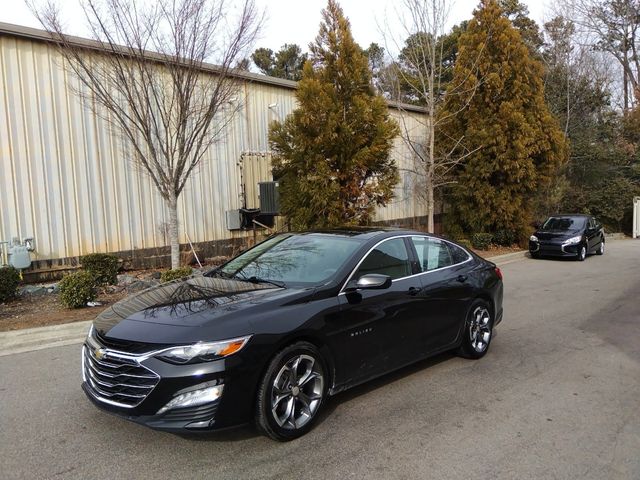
(573, 236)
(272, 333)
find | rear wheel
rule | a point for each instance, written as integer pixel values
(292, 392)
(478, 331)
(600, 250)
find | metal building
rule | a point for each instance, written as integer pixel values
(64, 182)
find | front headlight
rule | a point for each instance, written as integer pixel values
(91, 339)
(573, 240)
(533, 238)
(203, 352)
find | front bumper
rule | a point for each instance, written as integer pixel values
(232, 408)
(545, 249)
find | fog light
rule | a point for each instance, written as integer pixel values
(193, 398)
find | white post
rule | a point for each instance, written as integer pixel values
(636, 217)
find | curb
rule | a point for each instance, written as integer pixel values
(31, 339)
(509, 257)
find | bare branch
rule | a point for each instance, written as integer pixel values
(144, 75)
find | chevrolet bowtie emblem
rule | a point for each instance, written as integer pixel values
(99, 353)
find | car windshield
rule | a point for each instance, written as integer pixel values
(309, 259)
(564, 223)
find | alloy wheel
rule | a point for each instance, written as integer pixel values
(296, 392)
(583, 253)
(480, 329)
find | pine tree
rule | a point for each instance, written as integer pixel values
(331, 155)
(517, 144)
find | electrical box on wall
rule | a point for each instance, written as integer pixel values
(234, 220)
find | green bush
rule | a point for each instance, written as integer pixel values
(9, 280)
(481, 241)
(465, 243)
(102, 266)
(169, 275)
(506, 238)
(77, 289)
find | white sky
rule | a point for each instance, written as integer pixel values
(288, 21)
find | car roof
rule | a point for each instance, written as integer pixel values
(576, 215)
(365, 234)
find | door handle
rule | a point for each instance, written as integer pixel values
(414, 290)
(461, 278)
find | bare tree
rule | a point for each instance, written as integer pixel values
(422, 75)
(143, 73)
(574, 72)
(615, 29)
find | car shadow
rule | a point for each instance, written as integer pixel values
(381, 382)
(248, 431)
(556, 259)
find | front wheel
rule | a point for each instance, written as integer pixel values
(291, 392)
(582, 253)
(600, 250)
(478, 330)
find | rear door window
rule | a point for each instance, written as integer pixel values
(433, 253)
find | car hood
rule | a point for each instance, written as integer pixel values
(157, 314)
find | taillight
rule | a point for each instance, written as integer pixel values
(499, 273)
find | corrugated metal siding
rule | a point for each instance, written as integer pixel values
(405, 203)
(255, 167)
(63, 179)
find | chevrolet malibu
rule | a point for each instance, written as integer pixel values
(271, 334)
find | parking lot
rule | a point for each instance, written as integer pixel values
(557, 396)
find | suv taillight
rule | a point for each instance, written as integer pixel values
(499, 273)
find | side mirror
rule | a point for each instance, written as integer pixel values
(373, 281)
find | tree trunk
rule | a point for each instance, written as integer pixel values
(431, 171)
(430, 209)
(625, 78)
(174, 229)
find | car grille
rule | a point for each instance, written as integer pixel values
(117, 380)
(126, 345)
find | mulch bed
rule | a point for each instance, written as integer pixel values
(45, 310)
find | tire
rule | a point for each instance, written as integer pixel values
(534, 255)
(287, 409)
(582, 253)
(600, 250)
(478, 331)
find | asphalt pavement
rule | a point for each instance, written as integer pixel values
(556, 397)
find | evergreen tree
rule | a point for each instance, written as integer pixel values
(516, 143)
(331, 155)
(518, 14)
(285, 63)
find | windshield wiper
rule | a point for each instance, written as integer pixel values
(254, 279)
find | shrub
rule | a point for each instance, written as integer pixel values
(169, 275)
(77, 289)
(506, 238)
(102, 266)
(9, 280)
(481, 241)
(465, 243)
